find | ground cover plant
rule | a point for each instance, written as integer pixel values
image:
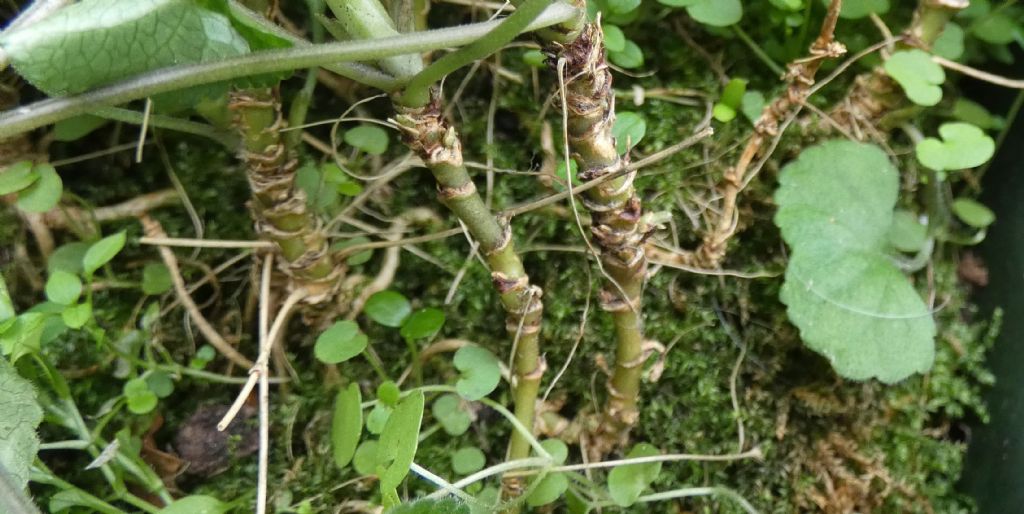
(464, 256)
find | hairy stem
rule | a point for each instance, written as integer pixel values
(280, 208)
(436, 142)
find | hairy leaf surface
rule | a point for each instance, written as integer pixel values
(18, 440)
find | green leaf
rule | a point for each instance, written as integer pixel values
(479, 371)
(997, 28)
(196, 504)
(76, 316)
(156, 279)
(423, 324)
(44, 193)
(679, 3)
(76, 128)
(63, 288)
(850, 302)
(378, 418)
(388, 308)
(102, 251)
(17, 177)
(621, 6)
(468, 460)
(69, 498)
(449, 412)
(68, 258)
(534, 58)
(6, 306)
(628, 130)
(918, 74)
(389, 393)
(717, 13)
(445, 506)
(21, 416)
(140, 398)
(368, 138)
(906, 234)
(732, 93)
(346, 424)
(340, 343)
(357, 258)
(626, 483)
(96, 42)
(553, 485)
(365, 459)
(631, 56)
(973, 213)
(723, 113)
(962, 146)
(974, 113)
(160, 383)
(855, 9)
(614, 39)
(399, 440)
(950, 44)
(752, 105)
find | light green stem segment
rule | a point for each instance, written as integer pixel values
(617, 228)
(368, 19)
(279, 207)
(428, 134)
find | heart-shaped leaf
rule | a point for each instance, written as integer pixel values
(950, 44)
(346, 424)
(918, 74)
(962, 146)
(628, 130)
(614, 39)
(389, 308)
(717, 13)
(44, 193)
(340, 343)
(629, 57)
(626, 483)
(156, 278)
(448, 411)
(139, 397)
(842, 290)
(906, 234)
(368, 138)
(480, 372)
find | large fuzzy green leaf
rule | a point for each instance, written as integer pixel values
(21, 416)
(96, 42)
(851, 303)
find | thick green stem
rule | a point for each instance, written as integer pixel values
(617, 228)
(435, 141)
(368, 19)
(280, 208)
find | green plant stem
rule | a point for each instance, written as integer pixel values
(42, 113)
(226, 139)
(428, 134)
(304, 98)
(368, 19)
(47, 477)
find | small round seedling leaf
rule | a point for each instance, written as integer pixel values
(732, 93)
(423, 324)
(614, 39)
(399, 440)
(340, 343)
(621, 6)
(17, 177)
(156, 278)
(534, 58)
(365, 458)
(976, 114)
(102, 251)
(468, 460)
(196, 504)
(717, 13)
(752, 105)
(377, 418)
(44, 193)
(973, 213)
(448, 411)
(346, 424)
(907, 234)
(139, 397)
(723, 113)
(368, 138)
(918, 74)
(160, 383)
(388, 308)
(996, 28)
(962, 146)
(76, 316)
(389, 393)
(950, 44)
(357, 258)
(67, 258)
(63, 288)
(480, 372)
(628, 130)
(626, 483)
(631, 56)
